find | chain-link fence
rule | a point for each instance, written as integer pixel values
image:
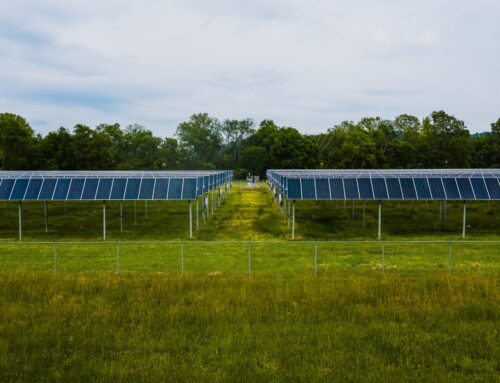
(251, 257)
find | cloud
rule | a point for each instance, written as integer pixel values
(307, 65)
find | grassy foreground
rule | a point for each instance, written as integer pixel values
(165, 328)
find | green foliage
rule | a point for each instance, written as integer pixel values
(17, 140)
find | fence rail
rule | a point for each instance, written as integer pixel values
(252, 257)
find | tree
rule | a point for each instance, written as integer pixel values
(16, 142)
(200, 141)
(234, 133)
(140, 148)
(92, 149)
(168, 155)
(57, 150)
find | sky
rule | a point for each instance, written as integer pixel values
(309, 65)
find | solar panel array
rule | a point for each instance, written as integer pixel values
(108, 185)
(422, 184)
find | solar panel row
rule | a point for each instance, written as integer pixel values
(381, 188)
(47, 189)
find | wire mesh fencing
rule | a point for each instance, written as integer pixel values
(251, 257)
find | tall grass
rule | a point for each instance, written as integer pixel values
(215, 328)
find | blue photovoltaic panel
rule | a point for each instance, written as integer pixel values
(33, 189)
(6, 188)
(379, 188)
(337, 188)
(493, 187)
(308, 190)
(408, 188)
(365, 188)
(62, 188)
(465, 188)
(479, 188)
(90, 189)
(133, 186)
(351, 188)
(161, 188)
(394, 188)
(175, 189)
(76, 189)
(118, 188)
(19, 189)
(199, 186)
(47, 191)
(189, 189)
(147, 188)
(422, 186)
(450, 186)
(437, 190)
(104, 188)
(294, 189)
(322, 188)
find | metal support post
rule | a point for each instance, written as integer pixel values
(213, 202)
(379, 220)
(464, 220)
(293, 219)
(104, 219)
(117, 258)
(20, 214)
(288, 217)
(121, 217)
(190, 219)
(46, 214)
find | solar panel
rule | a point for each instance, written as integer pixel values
(90, 189)
(408, 188)
(6, 188)
(351, 188)
(451, 188)
(189, 189)
(76, 189)
(337, 188)
(437, 189)
(133, 187)
(308, 188)
(62, 188)
(294, 189)
(465, 188)
(118, 189)
(479, 188)
(161, 188)
(322, 188)
(104, 188)
(379, 188)
(175, 188)
(365, 188)
(33, 190)
(422, 188)
(394, 188)
(19, 189)
(47, 191)
(493, 187)
(147, 188)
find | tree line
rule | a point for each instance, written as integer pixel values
(439, 140)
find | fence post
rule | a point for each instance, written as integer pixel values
(315, 258)
(449, 256)
(117, 258)
(249, 258)
(182, 257)
(383, 257)
(55, 259)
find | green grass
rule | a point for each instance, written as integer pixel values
(215, 328)
(418, 316)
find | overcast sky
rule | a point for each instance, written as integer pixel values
(306, 64)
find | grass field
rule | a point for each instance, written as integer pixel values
(427, 317)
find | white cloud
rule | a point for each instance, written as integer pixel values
(304, 64)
